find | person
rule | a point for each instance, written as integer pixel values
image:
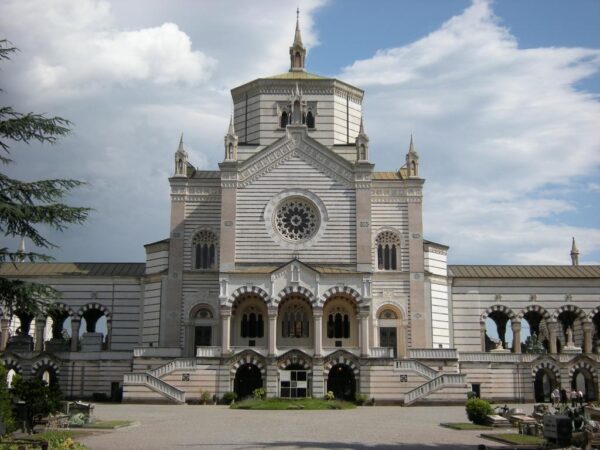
(563, 396)
(555, 396)
(573, 398)
(580, 397)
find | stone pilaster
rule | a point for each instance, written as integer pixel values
(364, 246)
(482, 335)
(588, 328)
(228, 215)
(170, 318)
(272, 378)
(420, 323)
(319, 383)
(364, 333)
(272, 346)
(108, 334)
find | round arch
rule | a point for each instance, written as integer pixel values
(578, 312)
(593, 313)
(95, 306)
(342, 290)
(239, 292)
(498, 308)
(341, 380)
(300, 290)
(12, 364)
(294, 357)
(248, 377)
(588, 375)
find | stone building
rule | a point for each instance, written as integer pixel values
(298, 267)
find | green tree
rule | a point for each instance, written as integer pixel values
(27, 205)
(40, 398)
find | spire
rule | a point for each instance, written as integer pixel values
(362, 144)
(231, 142)
(231, 130)
(297, 35)
(412, 160)
(297, 50)
(181, 159)
(574, 254)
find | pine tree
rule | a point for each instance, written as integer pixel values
(25, 205)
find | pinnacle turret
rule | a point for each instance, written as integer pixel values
(412, 160)
(574, 254)
(231, 142)
(181, 159)
(297, 50)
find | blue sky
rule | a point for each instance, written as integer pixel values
(503, 99)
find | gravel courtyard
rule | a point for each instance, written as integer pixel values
(189, 427)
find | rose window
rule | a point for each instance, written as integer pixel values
(296, 219)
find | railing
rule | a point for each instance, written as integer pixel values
(188, 363)
(157, 352)
(416, 366)
(157, 384)
(382, 352)
(432, 353)
(438, 382)
(490, 357)
(208, 352)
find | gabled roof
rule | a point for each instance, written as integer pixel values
(485, 271)
(69, 269)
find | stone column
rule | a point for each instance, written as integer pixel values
(364, 334)
(272, 347)
(40, 324)
(318, 331)
(552, 336)
(588, 328)
(225, 331)
(108, 334)
(516, 329)
(5, 324)
(75, 334)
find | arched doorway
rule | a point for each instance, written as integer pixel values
(247, 378)
(341, 382)
(545, 382)
(583, 380)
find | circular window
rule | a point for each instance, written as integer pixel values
(296, 219)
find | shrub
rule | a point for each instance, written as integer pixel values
(360, 399)
(205, 397)
(229, 397)
(478, 410)
(329, 395)
(259, 393)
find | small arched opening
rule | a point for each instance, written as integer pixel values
(284, 120)
(341, 382)
(583, 380)
(310, 120)
(296, 113)
(535, 329)
(496, 326)
(544, 383)
(570, 330)
(247, 379)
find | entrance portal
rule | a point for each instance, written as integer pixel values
(583, 380)
(545, 382)
(202, 337)
(341, 382)
(247, 378)
(388, 338)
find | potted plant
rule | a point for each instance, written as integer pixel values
(205, 397)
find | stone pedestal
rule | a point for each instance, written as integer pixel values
(91, 342)
(571, 350)
(57, 345)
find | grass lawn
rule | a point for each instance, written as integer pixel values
(465, 426)
(515, 438)
(292, 404)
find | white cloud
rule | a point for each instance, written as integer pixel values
(496, 125)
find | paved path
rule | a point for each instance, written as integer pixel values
(217, 427)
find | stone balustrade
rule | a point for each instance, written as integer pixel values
(156, 352)
(382, 352)
(432, 353)
(208, 352)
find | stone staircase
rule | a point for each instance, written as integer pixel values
(436, 380)
(152, 379)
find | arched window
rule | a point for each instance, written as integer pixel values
(296, 117)
(284, 119)
(388, 247)
(310, 120)
(253, 325)
(297, 60)
(230, 152)
(205, 246)
(338, 326)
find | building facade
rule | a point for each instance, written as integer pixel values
(298, 267)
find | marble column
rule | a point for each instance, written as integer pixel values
(225, 331)
(552, 328)
(364, 334)
(75, 334)
(272, 346)
(318, 331)
(588, 328)
(40, 325)
(516, 330)
(5, 324)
